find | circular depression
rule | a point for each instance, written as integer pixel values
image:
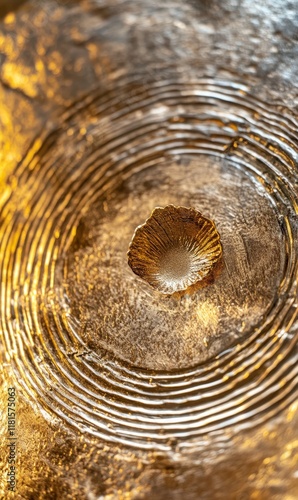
(118, 312)
(78, 193)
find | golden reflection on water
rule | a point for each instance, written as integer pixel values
(53, 54)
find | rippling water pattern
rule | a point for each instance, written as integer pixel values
(87, 339)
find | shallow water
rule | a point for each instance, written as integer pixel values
(159, 396)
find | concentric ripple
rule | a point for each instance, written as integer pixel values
(90, 169)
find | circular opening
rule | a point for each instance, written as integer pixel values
(175, 265)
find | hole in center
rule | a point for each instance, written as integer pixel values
(175, 264)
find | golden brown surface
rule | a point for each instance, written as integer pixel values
(110, 108)
(175, 249)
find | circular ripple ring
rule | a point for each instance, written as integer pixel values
(102, 138)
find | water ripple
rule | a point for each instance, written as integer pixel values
(103, 141)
